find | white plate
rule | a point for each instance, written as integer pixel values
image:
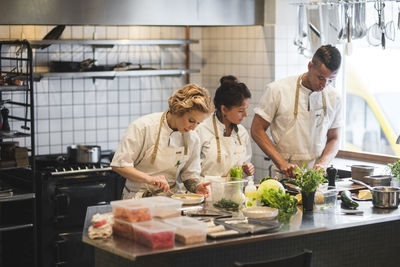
(189, 199)
(352, 211)
(260, 212)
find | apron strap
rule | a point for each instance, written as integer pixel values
(217, 138)
(154, 154)
(296, 101)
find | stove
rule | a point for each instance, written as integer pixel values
(66, 190)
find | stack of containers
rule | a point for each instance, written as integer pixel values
(188, 230)
(133, 220)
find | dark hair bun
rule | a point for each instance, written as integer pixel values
(228, 79)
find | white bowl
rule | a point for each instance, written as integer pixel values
(260, 212)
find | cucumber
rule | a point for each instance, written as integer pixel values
(347, 202)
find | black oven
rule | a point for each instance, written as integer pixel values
(66, 190)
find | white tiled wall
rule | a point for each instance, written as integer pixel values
(72, 111)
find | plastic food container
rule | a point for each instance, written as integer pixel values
(327, 198)
(229, 194)
(123, 229)
(163, 207)
(132, 210)
(188, 230)
(154, 234)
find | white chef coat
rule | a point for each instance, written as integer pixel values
(233, 153)
(302, 138)
(137, 146)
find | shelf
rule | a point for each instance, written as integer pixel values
(12, 134)
(112, 74)
(111, 43)
(15, 227)
(18, 197)
(13, 88)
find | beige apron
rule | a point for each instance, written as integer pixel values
(158, 160)
(231, 154)
(311, 124)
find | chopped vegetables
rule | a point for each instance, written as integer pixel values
(227, 205)
(236, 173)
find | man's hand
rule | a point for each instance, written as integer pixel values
(160, 182)
(248, 168)
(202, 189)
(288, 169)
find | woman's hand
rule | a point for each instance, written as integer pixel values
(160, 182)
(248, 168)
(202, 189)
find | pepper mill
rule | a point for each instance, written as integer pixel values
(331, 175)
(6, 125)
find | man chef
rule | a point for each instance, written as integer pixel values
(304, 116)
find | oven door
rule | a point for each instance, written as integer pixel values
(72, 200)
(70, 251)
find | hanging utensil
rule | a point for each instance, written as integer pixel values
(398, 18)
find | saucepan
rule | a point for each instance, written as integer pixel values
(386, 197)
(84, 154)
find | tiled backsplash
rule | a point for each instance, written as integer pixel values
(83, 111)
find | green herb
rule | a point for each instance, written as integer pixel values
(308, 180)
(236, 173)
(395, 169)
(285, 203)
(227, 205)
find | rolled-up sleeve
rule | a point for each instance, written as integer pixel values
(268, 104)
(130, 146)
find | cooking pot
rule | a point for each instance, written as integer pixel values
(383, 196)
(84, 154)
(359, 171)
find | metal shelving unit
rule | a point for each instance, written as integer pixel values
(16, 93)
(163, 43)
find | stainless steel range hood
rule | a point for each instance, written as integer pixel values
(132, 12)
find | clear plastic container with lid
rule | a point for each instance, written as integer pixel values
(155, 234)
(188, 230)
(163, 207)
(123, 229)
(132, 210)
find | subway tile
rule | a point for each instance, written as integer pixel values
(43, 126)
(55, 112)
(78, 111)
(123, 109)
(67, 138)
(124, 121)
(112, 122)
(79, 137)
(67, 124)
(112, 109)
(90, 110)
(90, 123)
(55, 125)
(55, 138)
(79, 124)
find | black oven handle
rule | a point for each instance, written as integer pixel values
(61, 200)
(58, 244)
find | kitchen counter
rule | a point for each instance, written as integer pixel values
(336, 239)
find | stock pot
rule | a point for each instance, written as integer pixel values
(84, 154)
(386, 197)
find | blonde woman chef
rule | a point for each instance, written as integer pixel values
(159, 147)
(225, 143)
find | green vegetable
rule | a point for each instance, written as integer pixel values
(308, 180)
(265, 178)
(227, 205)
(236, 173)
(279, 200)
(347, 202)
(395, 169)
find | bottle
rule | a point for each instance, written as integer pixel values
(6, 125)
(250, 192)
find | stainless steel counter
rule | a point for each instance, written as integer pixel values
(319, 221)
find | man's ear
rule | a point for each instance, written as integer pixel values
(310, 64)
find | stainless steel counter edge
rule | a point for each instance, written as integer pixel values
(300, 224)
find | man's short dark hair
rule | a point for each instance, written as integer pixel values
(329, 56)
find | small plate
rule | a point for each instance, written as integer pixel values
(260, 212)
(352, 211)
(189, 199)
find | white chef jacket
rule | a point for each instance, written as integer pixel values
(139, 139)
(232, 153)
(304, 138)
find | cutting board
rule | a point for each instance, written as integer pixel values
(346, 184)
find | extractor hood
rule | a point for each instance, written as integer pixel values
(132, 12)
